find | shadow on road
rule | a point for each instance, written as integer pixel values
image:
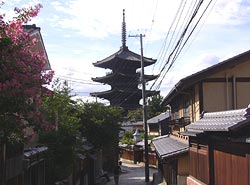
(132, 174)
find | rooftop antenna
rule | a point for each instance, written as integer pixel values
(124, 31)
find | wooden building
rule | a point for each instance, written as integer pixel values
(123, 79)
(224, 86)
(219, 151)
(172, 159)
(132, 125)
(35, 32)
(159, 125)
(34, 166)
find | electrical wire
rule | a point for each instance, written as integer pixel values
(179, 45)
(176, 48)
(164, 50)
(151, 26)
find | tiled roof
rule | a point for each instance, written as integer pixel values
(169, 146)
(221, 121)
(132, 123)
(159, 118)
(124, 54)
(29, 152)
(142, 143)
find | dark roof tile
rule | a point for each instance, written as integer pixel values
(169, 146)
(159, 118)
(221, 121)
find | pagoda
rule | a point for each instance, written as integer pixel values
(124, 78)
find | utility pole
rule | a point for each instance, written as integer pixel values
(144, 111)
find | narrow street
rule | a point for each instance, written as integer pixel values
(132, 174)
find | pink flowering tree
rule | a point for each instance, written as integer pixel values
(22, 77)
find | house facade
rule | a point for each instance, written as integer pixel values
(219, 150)
(158, 125)
(172, 159)
(221, 87)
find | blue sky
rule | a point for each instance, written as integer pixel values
(78, 33)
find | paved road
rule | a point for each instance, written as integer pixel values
(132, 175)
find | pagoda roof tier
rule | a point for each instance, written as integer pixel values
(124, 57)
(122, 94)
(128, 106)
(112, 78)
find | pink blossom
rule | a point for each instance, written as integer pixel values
(22, 73)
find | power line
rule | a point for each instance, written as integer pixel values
(181, 42)
(80, 82)
(163, 51)
(181, 47)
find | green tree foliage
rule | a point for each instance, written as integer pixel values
(154, 107)
(127, 138)
(135, 115)
(100, 124)
(62, 115)
(61, 111)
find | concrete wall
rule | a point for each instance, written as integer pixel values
(215, 97)
(229, 94)
(192, 181)
(226, 90)
(181, 180)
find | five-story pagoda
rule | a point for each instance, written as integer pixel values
(123, 79)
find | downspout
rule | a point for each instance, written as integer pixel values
(234, 93)
(159, 123)
(227, 96)
(170, 116)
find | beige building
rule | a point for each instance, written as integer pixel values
(221, 87)
(224, 86)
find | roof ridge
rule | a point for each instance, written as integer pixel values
(160, 137)
(228, 113)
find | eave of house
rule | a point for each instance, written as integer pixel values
(35, 31)
(169, 146)
(189, 81)
(223, 121)
(159, 118)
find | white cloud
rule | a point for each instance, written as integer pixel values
(77, 33)
(230, 12)
(103, 18)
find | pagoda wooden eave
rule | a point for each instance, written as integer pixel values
(114, 92)
(150, 77)
(124, 55)
(112, 76)
(117, 75)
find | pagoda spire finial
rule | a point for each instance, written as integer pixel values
(124, 31)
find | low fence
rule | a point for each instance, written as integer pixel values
(137, 155)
